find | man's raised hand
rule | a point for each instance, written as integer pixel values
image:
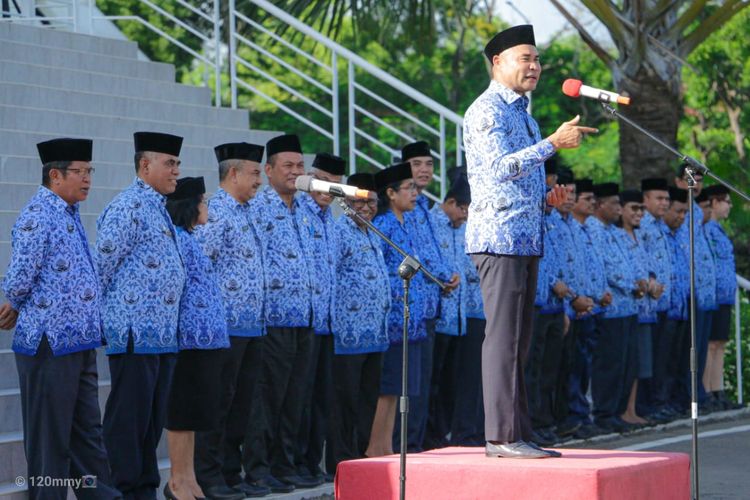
(569, 134)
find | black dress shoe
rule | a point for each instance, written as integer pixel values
(252, 490)
(168, 492)
(299, 482)
(222, 492)
(568, 428)
(551, 453)
(518, 449)
(541, 437)
(274, 485)
(328, 478)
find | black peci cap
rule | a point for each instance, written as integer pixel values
(188, 187)
(517, 35)
(606, 189)
(239, 151)
(677, 194)
(654, 184)
(362, 180)
(283, 144)
(332, 164)
(716, 190)
(415, 149)
(65, 149)
(565, 176)
(157, 142)
(393, 174)
(584, 186)
(631, 196)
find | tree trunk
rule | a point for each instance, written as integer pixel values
(657, 107)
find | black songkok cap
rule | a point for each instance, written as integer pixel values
(65, 150)
(716, 190)
(584, 186)
(419, 148)
(565, 176)
(393, 174)
(460, 191)
(654, 184)
(157, 143)
(677, 194)
(283, 144)
(362, 180)
(517, 35)
(239, 151)
(457, 174)
(550, 166)
(702, 197)
(631, 196)
(188, 187)
(330, 163)
(606, 189)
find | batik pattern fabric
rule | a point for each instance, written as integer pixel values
(723, 250)
(453, 304)
(362, 298)
(505, 155)
(679, 276)
(651, 235)
(705, 267)
(643, 267)
(51, 279)
(592, 277)
(141, 272)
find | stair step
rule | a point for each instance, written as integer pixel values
(19, 33)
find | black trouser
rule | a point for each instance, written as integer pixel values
(543, 367)
(134, 418)
(653, 392)
(677, 380)
(217, 452)
(313, 429)
(356, 387)
(62, 430)
(467, 427)
(442, 390)
(508, 289)
(613, 370)
(276, 411)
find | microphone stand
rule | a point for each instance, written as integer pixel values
(408, 268)
(693, 167)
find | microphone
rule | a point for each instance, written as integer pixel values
(309, 184)
(575, 88)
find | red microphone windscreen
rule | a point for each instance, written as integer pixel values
(571, 87)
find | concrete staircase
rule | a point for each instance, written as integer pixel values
(55, 84)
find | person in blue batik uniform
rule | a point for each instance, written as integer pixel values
(705, 281)
(720, 205)
(419, 156)
(318, 221)
(202, 338)
(142, 278)
(613, 368)
(276, 412)
(447, 221)
(676, 387)
(231, 244)
(504, 154)
(397, 195)
(361, 301)
(54, 302)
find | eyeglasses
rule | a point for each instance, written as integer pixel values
(362, 203)
(410, 187)
(82, 172)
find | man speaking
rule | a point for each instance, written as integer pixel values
(505, 156)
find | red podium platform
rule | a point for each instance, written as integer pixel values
(465, 473)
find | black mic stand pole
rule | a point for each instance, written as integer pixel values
(693, 167)
(408, 268)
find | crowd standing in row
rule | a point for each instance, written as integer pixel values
(264, 333)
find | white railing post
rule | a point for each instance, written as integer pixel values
(738, 341)
(217, 53)
(352, 124)
(443, 166)
(335, 102)
(459, 144)
(75, 15)
(232, 55)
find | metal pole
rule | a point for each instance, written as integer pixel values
(217, 54)
(693, 357)
(352, 124)
(404, 406)
(335, 103)
(232, 55)
(738, 342)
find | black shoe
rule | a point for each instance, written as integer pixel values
(540, 436)
(299, 482)
(252, 490)
(551, 453)
(568, 428)
(518, 449)
(220, 492)
(328, 478)
(587, 431)
(317, 478)
(168, 492)
(274, 485)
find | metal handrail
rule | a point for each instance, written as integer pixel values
(742, 284)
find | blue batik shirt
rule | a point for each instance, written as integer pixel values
(621, 275)
(505, 156)
(362, 298)
(141, 272)
(403, 235)
(550, 270)
(643, 268)
(560, 266)
(679, 276)
(705, 267)
(723, 250)
(203, 322)
(651, 236)
(470, 282)
(51, 279)
(321, 231)
(452, 319)
(285, 248)
(230, 242)
(430, 254)
(593, 283)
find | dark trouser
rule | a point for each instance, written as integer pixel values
(134, 418)
(467, 427)
(62, 431)
(356, 387)
(543, 367)
(217, 452)
(276, 411)
(703, 320)
(579, 345)
(653, 393)
(678, 368)
(442, 390)
(312, 431)
(613, 370)
(508, 289)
